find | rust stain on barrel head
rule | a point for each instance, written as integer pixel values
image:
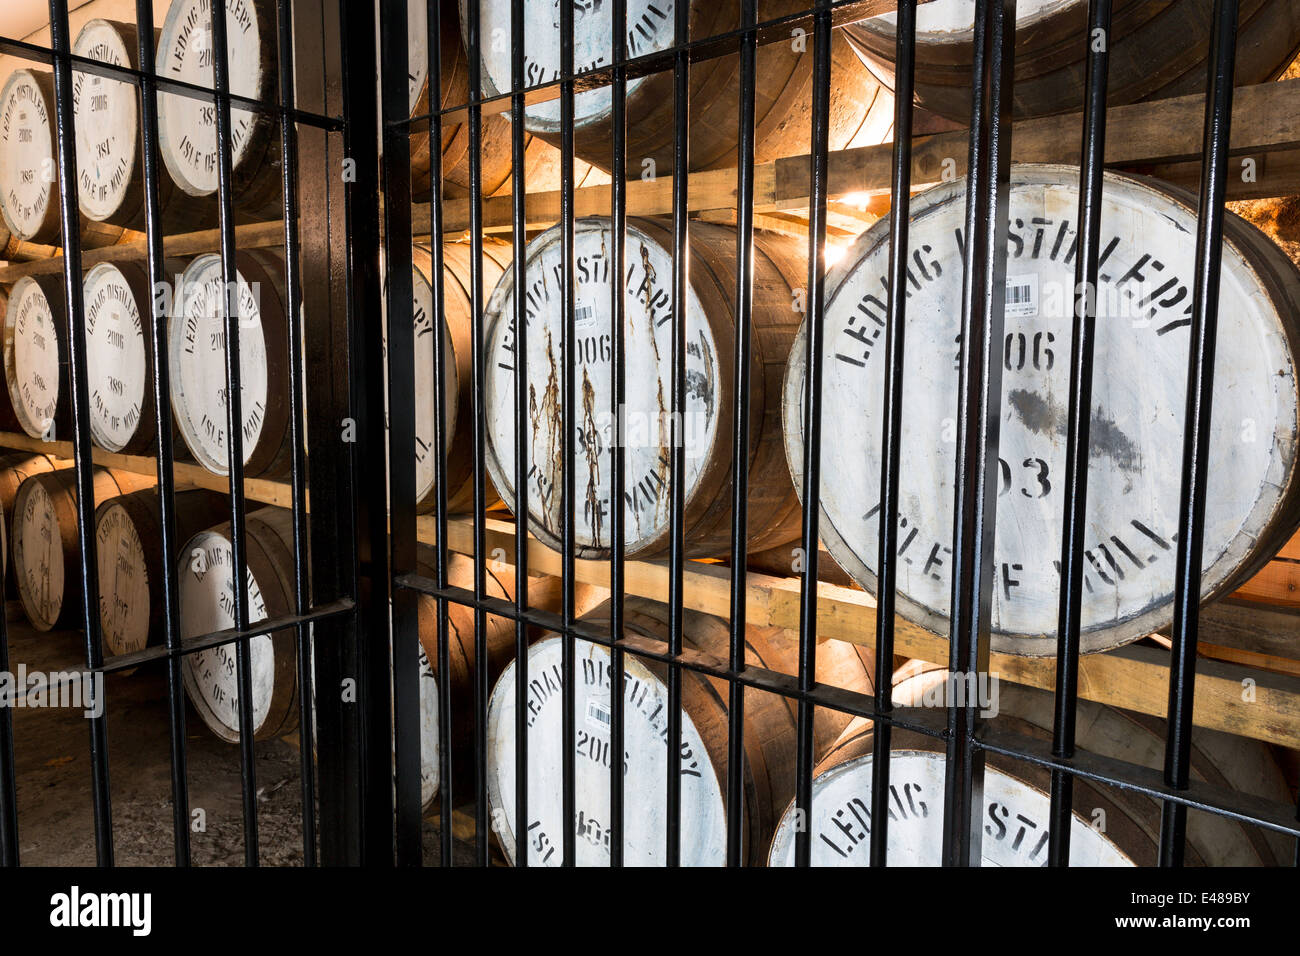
(593, 456)
(1044, 417)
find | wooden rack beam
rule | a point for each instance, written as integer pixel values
(1135, 678)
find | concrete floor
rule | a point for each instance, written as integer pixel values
(52, 757)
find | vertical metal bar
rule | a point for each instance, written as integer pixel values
(473, 46)
(988, 189)
(812, 421)
(70, 217)
(446, 782)
(740, 413)
(618, 476)
(1077, 431)
(523, 443)
(395, 85)
(1196, 434)
(892, 414)
(8, 772)
(677, 464)
(297, 429)
(569, 419)
(337, 69)
(163, 423)
(234, 428)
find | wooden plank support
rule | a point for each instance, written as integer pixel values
(187, 473)
(1132, 677)
(251, 236)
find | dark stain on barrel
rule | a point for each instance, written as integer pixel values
(1044, 417)
(593, 456)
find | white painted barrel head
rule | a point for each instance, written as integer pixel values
(196, 348)
(430, 768)
(1016, 819)
(27, 165)
(703, 819)
(38, 555)
(116, 368)
(417, 50)
(207, 593)
(426, 464)
(106, 118)
(647, 424)
(125, 604)
(1139, 390)
(952, 21)
(187, 127)
(31, 357)
(649, 30)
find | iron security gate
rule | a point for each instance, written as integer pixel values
(966, 738)
(365, 597)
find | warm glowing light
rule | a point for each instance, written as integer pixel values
(833, 254)
(855, 199)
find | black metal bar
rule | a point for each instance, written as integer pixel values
(568, 420)
(812, 420)
(161, 385)
(482, 690)
(297, 430)
(360, 769)
(331, 51)
(320, 614)
(70, 219)
(740, 413)
(892, 415)
(234, 428)
(401, 436)
(1196, 434)
(523, 443)
(1077, 429)
(8, 772)
(138, 77)
(677, 462)
(988, 189)
(618, 471)
(446, 781)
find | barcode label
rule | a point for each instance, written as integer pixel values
(584, 315)
(597, 714)
(1022, 295)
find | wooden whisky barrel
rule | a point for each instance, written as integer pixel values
(207, 594)
(770, 739)
(119, 356)
(196, 343)
(1111, 826)
(128, 543)
(106, 116)
(861, 111)
(1157, 50)
(458, 328)
(15, 468)
(706, 423)
(29, 173)
(46, 552)
(1143, 301)
(542, 160)
(187, 131)
(36, 356)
